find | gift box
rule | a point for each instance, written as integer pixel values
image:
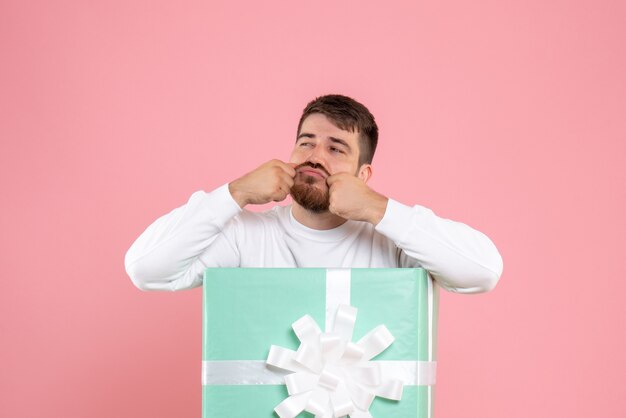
(380, 340)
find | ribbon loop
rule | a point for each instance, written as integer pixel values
(341, 403)
(329, 380)
(352, 353)
(318, 402)
(306, 329)
(283, 358)
(360, 414)
(344, 322)
(362, 397)
(300, 382)
(293, 405)
(375, 342)
(308, 355)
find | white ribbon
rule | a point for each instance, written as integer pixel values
(332, 376)
(256, 372)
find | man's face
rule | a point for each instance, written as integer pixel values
(322, 149)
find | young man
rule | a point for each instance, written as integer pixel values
(335, 220)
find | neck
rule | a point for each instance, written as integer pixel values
(321, 221)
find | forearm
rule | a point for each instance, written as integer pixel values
(168, 250)
(460, 258)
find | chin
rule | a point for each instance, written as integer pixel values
(312, 198)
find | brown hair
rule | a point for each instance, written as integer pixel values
(349, 115)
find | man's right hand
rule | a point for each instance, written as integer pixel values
(271, 182)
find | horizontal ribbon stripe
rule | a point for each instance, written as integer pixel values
(241, 372)
(255, 372)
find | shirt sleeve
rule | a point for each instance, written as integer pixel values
(173, 252)
(460, 258)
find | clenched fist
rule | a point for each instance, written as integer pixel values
(351, 198)
(270, 182)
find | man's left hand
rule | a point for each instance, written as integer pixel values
(351, 198)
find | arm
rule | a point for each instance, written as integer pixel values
(460, 258)
(166, 256)
(174, 251)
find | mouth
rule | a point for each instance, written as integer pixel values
(312, 172)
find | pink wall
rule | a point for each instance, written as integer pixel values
(506, 115)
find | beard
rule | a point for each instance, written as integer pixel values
(309, 196)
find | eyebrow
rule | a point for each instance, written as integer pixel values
(332, 138)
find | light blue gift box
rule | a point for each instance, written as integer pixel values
(247, 310)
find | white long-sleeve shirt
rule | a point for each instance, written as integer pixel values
(211, 230)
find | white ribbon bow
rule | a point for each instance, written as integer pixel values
(333, 376)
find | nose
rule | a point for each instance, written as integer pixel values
(317, 156)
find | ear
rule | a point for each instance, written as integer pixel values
(365, 172)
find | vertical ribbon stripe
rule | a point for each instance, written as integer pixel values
(337, 293)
